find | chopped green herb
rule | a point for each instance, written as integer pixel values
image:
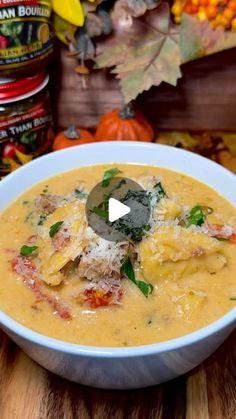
(42, 219)
(29, 138)
(160, 191)
(108, 175)
(55, 228)
(28, 250)
(122, 182)
(32, 218)
(103, 209)
(25, 203)
(197, 215)
(128, 271)
(101, 212)
(105, 204)
(233, 298)
(147, 227)
(80, 194)
(45, 189)
(127, 225)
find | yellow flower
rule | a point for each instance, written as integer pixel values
(70, 10)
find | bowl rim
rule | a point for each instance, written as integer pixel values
(117, 352)
(13, 327)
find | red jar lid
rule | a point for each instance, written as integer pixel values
(12, 88)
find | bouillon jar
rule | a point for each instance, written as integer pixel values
(26, 129)
(26, 38)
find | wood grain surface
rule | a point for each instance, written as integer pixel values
(27, 391)
(205, 98)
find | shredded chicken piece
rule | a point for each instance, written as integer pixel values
(61, 239)
(102, 260)
(28, 271)
(32, 239)
(47, 203)
(219, 231)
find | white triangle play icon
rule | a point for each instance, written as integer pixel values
(117, 210)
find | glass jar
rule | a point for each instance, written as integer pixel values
(26, 128)
(26, 37)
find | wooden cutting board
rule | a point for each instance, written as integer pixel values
(27, 391)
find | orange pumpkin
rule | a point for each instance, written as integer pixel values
(71, 137)
(124, 125)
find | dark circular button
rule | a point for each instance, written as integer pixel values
(105, 206)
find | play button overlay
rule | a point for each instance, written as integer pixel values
(119, 211)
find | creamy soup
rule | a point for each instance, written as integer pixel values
(62, 280)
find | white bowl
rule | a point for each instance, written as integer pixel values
(120, 368)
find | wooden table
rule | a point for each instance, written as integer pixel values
(27, 391)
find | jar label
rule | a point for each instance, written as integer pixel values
(25, 133)
(25, 32)
(16, 126)
(4, 3)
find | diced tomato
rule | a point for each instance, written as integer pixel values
(232, 239)
(9, 150)
(32, 239)
(56, 305)
(23, 266)
(3, 42)
(27, 269)
(95, 298)
(61, 239)
(21, 148)
(217, 227)
(220, 232)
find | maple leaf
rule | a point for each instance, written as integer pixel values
(125, 10)
(98, 24)
(229, 139)
(198, 39)
(146, 54)
(174, 138)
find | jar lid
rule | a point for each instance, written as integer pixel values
(13, 88)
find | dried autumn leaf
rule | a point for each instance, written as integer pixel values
(198, 39)
(229, 140)
(93, 25)
(175, 138)
(124, 10)
(145, 55)
(226, 159)
(98, 24)
(204, 142)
